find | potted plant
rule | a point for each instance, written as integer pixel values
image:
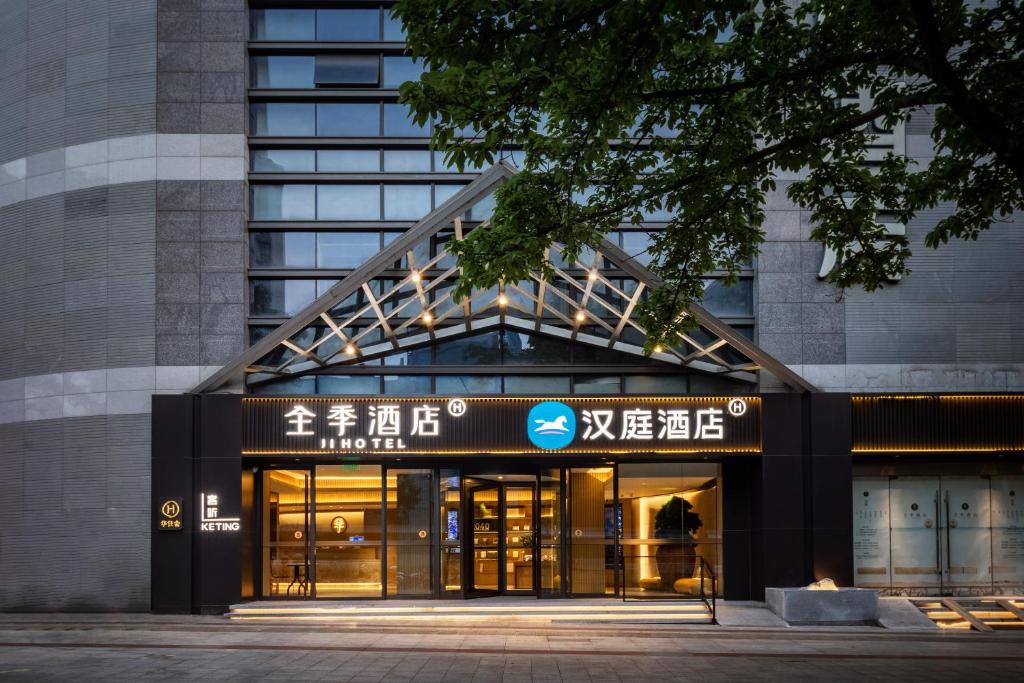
(677, 526)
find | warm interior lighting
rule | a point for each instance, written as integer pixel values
(502, 300)
(580, 316)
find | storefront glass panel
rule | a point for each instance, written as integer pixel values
(285, 509)
(410, 537)
(450, 531)
(550, 526)
(670, 522)
(348, 531)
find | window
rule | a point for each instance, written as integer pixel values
(283, 71)
(284, 119)
(410, 202)
(282, 249)
(443, 193)
(281, 297)
(348, 160)
(610, 384)
(657, 384)
(467, 385)
(526, 349)
(348, 384)
(283, 160)
(398, 70)
(393, 28)
(736, 300)
(348, 24)
(283, 202)
(283, 24)
(340, 70)
(348, 202)
(406, 384)
(349, 119)
(346, 249)
(636, 245)
(406, 161)
(482, 349)
(536, 384)
(398, 122)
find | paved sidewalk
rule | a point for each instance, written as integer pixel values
(152, 647)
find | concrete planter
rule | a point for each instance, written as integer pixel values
(800, 606)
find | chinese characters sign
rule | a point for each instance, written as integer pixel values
(504, 425)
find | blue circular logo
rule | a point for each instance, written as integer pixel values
(551, 425)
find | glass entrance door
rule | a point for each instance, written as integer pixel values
(520, 538)
(484, 540)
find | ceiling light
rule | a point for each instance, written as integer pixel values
(658, 348)
(350, 349)
(415, 276)
(427, 318)
(502, 300)
(580, 316)
(592, 275)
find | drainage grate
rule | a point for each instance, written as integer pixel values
(977, 614)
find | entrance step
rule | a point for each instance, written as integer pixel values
(498, 610)
(974, 614)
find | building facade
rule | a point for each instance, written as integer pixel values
(180, 178)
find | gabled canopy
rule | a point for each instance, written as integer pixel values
(401, 298)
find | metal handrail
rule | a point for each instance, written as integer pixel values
(712, 606)
(707, 573)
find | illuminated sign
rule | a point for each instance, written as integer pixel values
(500, 425)
(170, 514)
(209, 515)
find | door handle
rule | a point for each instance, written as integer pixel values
(938, 537)
(949, 552)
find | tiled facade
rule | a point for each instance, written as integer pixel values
(122, 204)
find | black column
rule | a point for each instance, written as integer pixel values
(831, 485)
(218, 467)
(784, 501)
(171, 471)
(740, 500)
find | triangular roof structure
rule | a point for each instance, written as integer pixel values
(379, 309)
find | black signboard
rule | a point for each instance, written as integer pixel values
(169, 514)
(500, 425)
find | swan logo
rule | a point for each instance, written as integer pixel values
(551, 425)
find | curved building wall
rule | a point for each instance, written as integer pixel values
(122, 197)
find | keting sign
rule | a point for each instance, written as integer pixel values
(501, 425)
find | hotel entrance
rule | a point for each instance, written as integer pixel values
(378, 530)
(502, 541)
